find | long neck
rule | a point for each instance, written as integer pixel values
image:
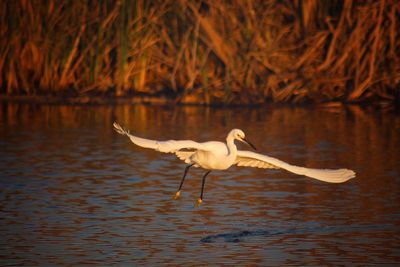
(232, 149)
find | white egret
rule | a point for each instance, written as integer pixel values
(214, 155)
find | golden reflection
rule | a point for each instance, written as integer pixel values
(68, 179)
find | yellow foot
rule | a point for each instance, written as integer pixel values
(198, 202)
(177, 194)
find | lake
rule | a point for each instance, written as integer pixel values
(74, 192)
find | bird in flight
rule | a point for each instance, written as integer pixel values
(215, 155)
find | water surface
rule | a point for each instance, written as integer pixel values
(74, 192)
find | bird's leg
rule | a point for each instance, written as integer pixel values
(178, 193)
(200, 199)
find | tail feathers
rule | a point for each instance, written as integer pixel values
(184, 155)
(118, 128)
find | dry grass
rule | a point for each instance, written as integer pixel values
(202, 52)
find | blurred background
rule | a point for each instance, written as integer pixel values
(212, 52)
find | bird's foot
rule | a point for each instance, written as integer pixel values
(198, 202)
(177, 195)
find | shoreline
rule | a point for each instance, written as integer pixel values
(165, 101)
(83, 100)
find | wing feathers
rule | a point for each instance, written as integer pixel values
(255, 163)
(170, 146)
(244, 158)
(252, 159)
(147, 143)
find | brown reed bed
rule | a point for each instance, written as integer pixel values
(209, 52)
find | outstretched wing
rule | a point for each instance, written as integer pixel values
(170, 146)
(252, 159)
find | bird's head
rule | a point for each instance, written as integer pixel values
(239, 135)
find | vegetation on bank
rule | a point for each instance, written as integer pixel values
(202, 51)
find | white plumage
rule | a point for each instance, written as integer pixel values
(215, 155)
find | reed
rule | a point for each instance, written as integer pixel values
(202, 51)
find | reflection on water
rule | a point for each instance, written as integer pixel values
(74, 192)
